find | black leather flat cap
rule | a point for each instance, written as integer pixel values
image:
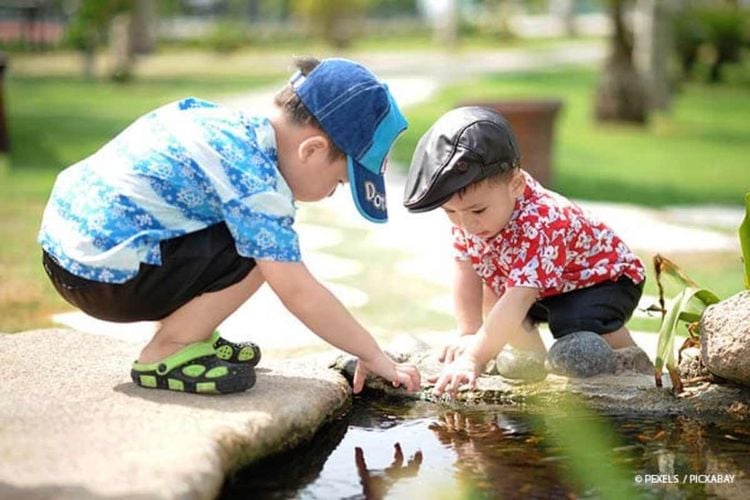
(463, 146)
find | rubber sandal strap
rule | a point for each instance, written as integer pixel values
(181, 357)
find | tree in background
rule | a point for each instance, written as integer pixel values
(89, 25)
(336, 21)
(711, 32)
(129, 26)
(621, 94)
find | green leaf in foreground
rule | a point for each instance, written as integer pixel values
(745, 240)
(686, 307)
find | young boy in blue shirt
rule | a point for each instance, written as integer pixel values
(183, 215)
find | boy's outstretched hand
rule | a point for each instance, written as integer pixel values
(400, 374)
(454, 349)
(460, 371)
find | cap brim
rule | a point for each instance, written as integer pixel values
(368, 191)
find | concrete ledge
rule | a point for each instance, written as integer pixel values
(75, 426)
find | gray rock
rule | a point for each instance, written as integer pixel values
(75, 426)
(581, 354)
(725, 338)
(633, 359)
(520, 365)
(691, 367)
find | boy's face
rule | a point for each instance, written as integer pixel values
(485, 209)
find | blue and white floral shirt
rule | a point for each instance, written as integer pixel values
(179, 169)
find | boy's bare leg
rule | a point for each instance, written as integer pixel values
(619, 339)
(196, 320)
(526, 338)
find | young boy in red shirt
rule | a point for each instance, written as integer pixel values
(524, 254)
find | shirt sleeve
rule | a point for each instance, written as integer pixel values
(538, 259)
(460, 247)
(261, 225)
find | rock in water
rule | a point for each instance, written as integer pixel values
(725, 338)
(633, 359)
(581, 354)
(521, 365)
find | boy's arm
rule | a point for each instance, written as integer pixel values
(322, 313)
(467, 304)
(467, 297)
(505, 317)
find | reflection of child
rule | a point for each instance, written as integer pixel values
(188, 211)
(524, 254)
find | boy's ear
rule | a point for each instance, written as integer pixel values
(517, 183)
(312, 147)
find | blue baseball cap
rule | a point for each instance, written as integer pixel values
(361, 117)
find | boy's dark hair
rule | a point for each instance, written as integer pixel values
(496, 178)
(288, 100)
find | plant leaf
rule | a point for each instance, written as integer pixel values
(687, 307)
(745, 240)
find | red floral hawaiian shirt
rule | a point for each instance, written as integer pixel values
(550, 244)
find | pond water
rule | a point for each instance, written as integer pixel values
(420, 450)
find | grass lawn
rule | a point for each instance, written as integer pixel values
(696, 153)
(55, 121)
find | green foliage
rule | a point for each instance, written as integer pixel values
(88, 26)
(226, 37)
(334, 20)
(718, 27)
(588, 442)
(686, 308)
(745, 240)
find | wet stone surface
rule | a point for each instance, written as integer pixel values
(626, 392)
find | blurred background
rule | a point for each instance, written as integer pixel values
(636, 107)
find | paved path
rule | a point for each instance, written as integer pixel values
(75, 427)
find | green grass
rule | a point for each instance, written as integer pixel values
(696, 153)
(55, 121)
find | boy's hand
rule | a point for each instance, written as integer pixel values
(399, 374)
(454, 349)
(461, 370)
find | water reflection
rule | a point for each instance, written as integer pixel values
(496, 452)
(376, 482)
(419, 450)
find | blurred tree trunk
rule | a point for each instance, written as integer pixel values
(621, 94)
(654, 45)
(565, 10)
(143, 27)
(120, 32)
(446, 23)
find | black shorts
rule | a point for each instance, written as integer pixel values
(193, 264)
(601, 308)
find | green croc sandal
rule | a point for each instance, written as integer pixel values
(235, 352)
(195, 368)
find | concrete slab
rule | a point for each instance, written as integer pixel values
(75, 426)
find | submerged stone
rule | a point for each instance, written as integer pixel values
(633, 359)
(517, 364)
